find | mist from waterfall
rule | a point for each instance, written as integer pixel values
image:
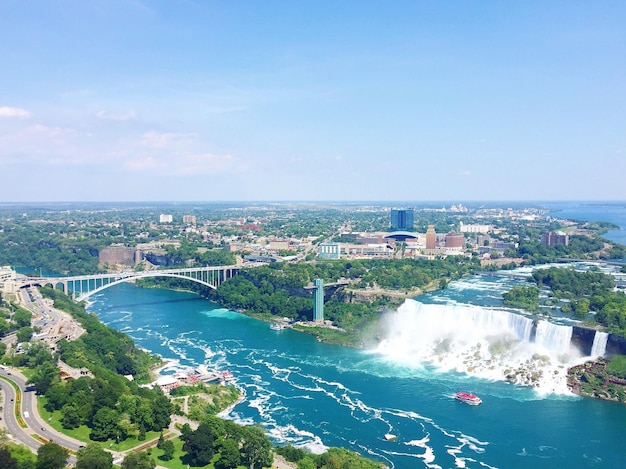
(489, 343)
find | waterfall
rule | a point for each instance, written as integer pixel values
(598, 349)
(490, 343)
(553, 336)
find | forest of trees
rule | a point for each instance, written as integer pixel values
(522, 297)
(278, 289)
(585, 292)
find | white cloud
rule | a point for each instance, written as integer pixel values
(6, 111)
(464, 173)
(122, 116)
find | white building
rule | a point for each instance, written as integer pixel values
(474, 228)
(165, 218)
(7, 278)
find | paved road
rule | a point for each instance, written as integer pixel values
(30, 414)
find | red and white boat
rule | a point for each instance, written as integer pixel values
(468, 398)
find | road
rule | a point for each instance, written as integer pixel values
(30, 414)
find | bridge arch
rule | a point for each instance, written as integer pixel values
(157, 273)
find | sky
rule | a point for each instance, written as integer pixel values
(201, 100)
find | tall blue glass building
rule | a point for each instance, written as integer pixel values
(401, 219)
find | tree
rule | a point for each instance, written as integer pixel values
(306, 463)
(6, 460)
(43, 377)
(93, 456)
(24, 334)
(51, 456)
(161, 412)
(104, 424)
(256, 449)
(230, 457)
(168, 450)
(71, 417)
(56, 397)
(22, 318)
(141, 460)
(200, 446)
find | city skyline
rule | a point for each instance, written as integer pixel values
(311, 101)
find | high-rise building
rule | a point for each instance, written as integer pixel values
(431, 237)
(189, 219)
(401, 219)
(554, 239)
(329, 250)
(165, 218)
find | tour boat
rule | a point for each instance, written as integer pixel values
(276, 326)
(228, 376)
(468, 398)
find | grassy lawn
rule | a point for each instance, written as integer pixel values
(27, 372)
(179, 461)
(176, 462)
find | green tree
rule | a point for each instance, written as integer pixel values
(140, 460)
(6, 460)
(43, 377)
(56, 397)
(256, 448)
(161, 411)
(306, 463)
(71, 417)
(93, 456)
(522, 297)
(104, 424)
(200, 446)
(51, 456)
(24, 334)
(230, 457)
(22, 318)
(168, 450)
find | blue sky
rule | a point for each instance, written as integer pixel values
(125, 100)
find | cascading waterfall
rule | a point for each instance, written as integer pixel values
(489, 343)
(598, 349)
(553, 336)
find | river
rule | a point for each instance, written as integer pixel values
(317, 395)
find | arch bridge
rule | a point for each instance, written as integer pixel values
(83, 286)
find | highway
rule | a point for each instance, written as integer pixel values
(30, 414)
